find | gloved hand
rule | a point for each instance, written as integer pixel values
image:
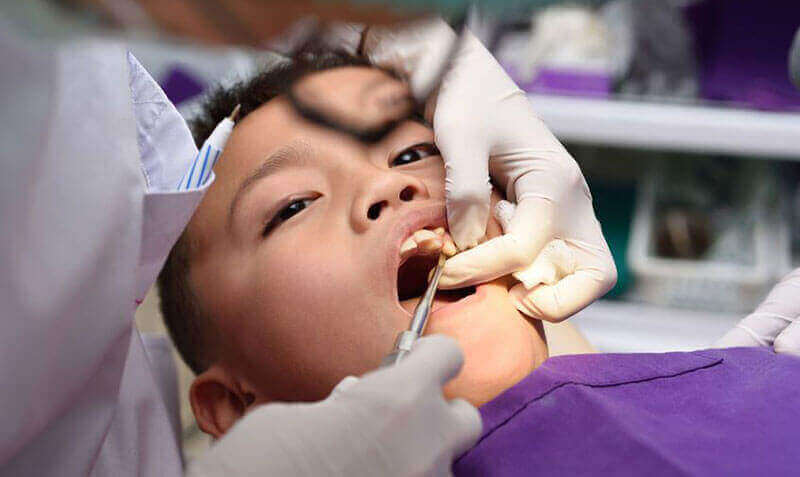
(776, 321)
(391, 422)
(483, 123)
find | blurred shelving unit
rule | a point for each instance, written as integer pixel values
(673, 127)
(624, 326)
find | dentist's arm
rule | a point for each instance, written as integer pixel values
(70, 228)
(391, 422)
(484, 124)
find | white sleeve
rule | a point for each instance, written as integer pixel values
(87, 217)
(71, 193)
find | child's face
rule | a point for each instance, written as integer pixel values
(298, 257)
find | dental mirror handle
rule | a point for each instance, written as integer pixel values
(405, 340)
(402, 347)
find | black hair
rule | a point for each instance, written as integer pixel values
(262, 87)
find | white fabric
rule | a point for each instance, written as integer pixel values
(142, 439)
(166, 150)
(66, 306)
(484, 124)
(391, 422)
(776, 321)
(159, 351)
(167, 214)
(80, 237)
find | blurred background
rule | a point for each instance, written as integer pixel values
(680, 112)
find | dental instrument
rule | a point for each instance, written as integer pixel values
(212, 147)
(405, 340)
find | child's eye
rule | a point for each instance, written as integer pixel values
(294, 208)
(286, 213)
(414, 153)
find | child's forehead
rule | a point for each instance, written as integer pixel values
(253, 138)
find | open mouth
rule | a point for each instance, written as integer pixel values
(412, 277)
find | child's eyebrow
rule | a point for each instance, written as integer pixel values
(294, 154)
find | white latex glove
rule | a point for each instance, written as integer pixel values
(776, 321)
(391, 422)
(483, 123)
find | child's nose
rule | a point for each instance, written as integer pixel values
(384, 193)
(406, 195)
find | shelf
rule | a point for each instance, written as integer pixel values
(671, 127)
(628, 327)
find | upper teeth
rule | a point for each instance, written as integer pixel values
(428, 242)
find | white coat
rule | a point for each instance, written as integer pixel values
(86, 221)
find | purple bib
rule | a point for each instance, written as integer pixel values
(712, 412)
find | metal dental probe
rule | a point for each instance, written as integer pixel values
(405, 340)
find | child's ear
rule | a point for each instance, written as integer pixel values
(218, 401)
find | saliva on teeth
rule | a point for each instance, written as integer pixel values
(428, 242)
